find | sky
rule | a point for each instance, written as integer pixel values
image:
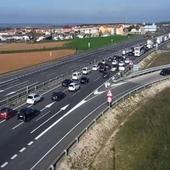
(83, 11)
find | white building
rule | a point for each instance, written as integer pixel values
(150, 28)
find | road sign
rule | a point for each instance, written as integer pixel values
(109, 93)
(109, 99)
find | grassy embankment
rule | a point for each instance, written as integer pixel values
(160, 59)
(143, 143)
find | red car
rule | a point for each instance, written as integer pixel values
(7, 113)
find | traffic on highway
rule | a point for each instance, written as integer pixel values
(41, 123)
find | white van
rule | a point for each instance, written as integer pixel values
(86, 70)
(76, 75)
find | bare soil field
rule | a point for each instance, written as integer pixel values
(16, 61)
(29, 46)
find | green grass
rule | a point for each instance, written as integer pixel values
(82, 44)
(160, 59)
(143, 143)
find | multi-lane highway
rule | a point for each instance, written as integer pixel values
(27, 145)
(11, 83)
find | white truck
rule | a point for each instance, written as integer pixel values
(159, 39)
(149, 44)
(139, 50)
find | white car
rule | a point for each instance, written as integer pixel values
(73, 87)
(86, 70)
(127, 60)
(95, 67)
(121, 63)
(121, 68)
(76, 75)
(114, 62)
(33, 98)
(113, 69)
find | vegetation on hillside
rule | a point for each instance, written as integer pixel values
(143, 143)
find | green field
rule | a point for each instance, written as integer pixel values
(82, 44)
(160, 59)
(143, 143)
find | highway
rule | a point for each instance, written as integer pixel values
(27, 145)
(11, 83)
(31, 151)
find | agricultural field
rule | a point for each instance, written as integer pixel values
(16, 61)
(28, 47)
(93, 43)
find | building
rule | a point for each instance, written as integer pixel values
(149, 28)
(119, 29)
(106, 30)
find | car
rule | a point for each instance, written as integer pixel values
(84, 80)
(76, 75)
(6, 113)
(165, 71)
(33, 98)
(57, 96)
(66, 82)
(73, 87)
(95, 67)
(106, 74)
(86, 70)
(102, 69)
(127, 61)
(26, 114)
(115, 62)
(110, 59)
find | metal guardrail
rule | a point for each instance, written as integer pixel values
(20, 96)
(77, 138)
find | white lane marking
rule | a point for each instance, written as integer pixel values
(117, 84)
(13, 157)
(5, 164)
(75, 107)
(74, 93)
(96, 92)
(17, 125)
(62, 109)
(13, 92)
(48, 106)
(29, 106)
(30, 143)
(1, 91)
(2, 121)
(65, 107)
(22, 150)
(64, 135)
(96, 79)
(42, 116)
(16, 85)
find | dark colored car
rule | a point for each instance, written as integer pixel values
(57, 96)
(6, 113)
(27, 114)
(102, 68)
(100, 64)
(66, 82)
(84, 80)
(165, 71)
(106, 74)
